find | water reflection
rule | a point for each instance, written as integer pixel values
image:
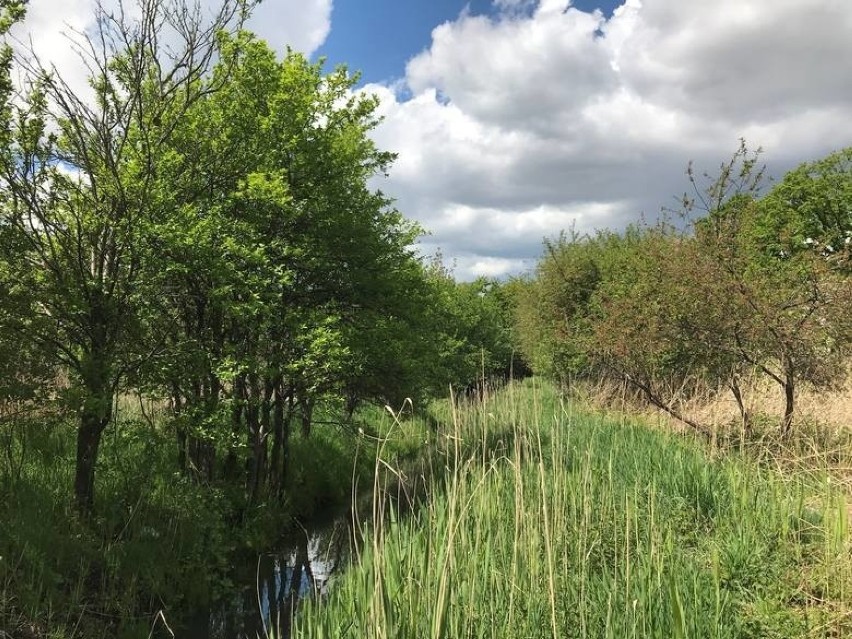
(271, 593)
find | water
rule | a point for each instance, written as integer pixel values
(269, 592)
(269, 588)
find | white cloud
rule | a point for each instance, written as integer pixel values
(521, 123)
(489, 266)
(514, 126)
(484, 65)
(302, 25)
(53, 32)
(51, 26)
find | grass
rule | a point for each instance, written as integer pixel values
(821, 440)
(157, 541)
(542, 521)
(160, 546)
(519, 515)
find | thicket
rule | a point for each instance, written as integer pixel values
(201, 230)
(743, 280)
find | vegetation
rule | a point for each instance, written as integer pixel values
(206, 306)
(203, 234)
(555, 523)
(752, 281)
(194, 236)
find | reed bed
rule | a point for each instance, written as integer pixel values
(547, 522)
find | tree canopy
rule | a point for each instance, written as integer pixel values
(202, 229)
(752, 279)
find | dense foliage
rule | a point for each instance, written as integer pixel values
(197, 235)
(749, 281)
(205, 234)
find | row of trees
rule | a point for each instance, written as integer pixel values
(749, 279)
(199, 227)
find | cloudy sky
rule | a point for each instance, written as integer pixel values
(514, 119)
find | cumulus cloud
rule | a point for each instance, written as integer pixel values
(300, 24)
(517, 125)
(492, 68)
(52, 27)
(53, 33)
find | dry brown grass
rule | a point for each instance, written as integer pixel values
(821, 440)
(831, 409)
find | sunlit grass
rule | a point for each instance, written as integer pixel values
(545, 522)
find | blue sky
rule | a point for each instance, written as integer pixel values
(514, 119)
(378, 37)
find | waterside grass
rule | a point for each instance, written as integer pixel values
(544, 521)
(160, 545)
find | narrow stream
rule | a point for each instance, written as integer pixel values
(267, 594)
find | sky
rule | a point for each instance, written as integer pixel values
(516, 119)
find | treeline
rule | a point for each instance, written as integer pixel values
(200, 228)
(743, 279)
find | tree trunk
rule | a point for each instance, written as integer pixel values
(212, 390)
(93, 420)
(351, 406)
(180, 428)
(307, 416)
(738, 396)
(281, 418)
(96, 412)
(237, 409)
(789, 402)
(277, 436)
(656, 400)
(259, 432)
(194, 445)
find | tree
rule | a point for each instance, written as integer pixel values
(470, 325)
(755, 281)
(287, 282)
(552, 311)
(810, 211)
(78, 172)
(642, 328)
(783, 297)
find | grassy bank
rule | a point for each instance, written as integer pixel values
(547, 522)
(159, 539)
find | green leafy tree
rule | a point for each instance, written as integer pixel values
(287, 281)
(648, 313)
(553, 310)
(781, 284)
(810, 211)
(757, 281)
(471, 325)
(78, 174)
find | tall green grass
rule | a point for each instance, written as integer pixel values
(545, 522)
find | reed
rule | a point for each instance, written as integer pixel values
(550, 522)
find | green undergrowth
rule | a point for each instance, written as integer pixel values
(159, 540)
(512, 515)
(548, 522)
